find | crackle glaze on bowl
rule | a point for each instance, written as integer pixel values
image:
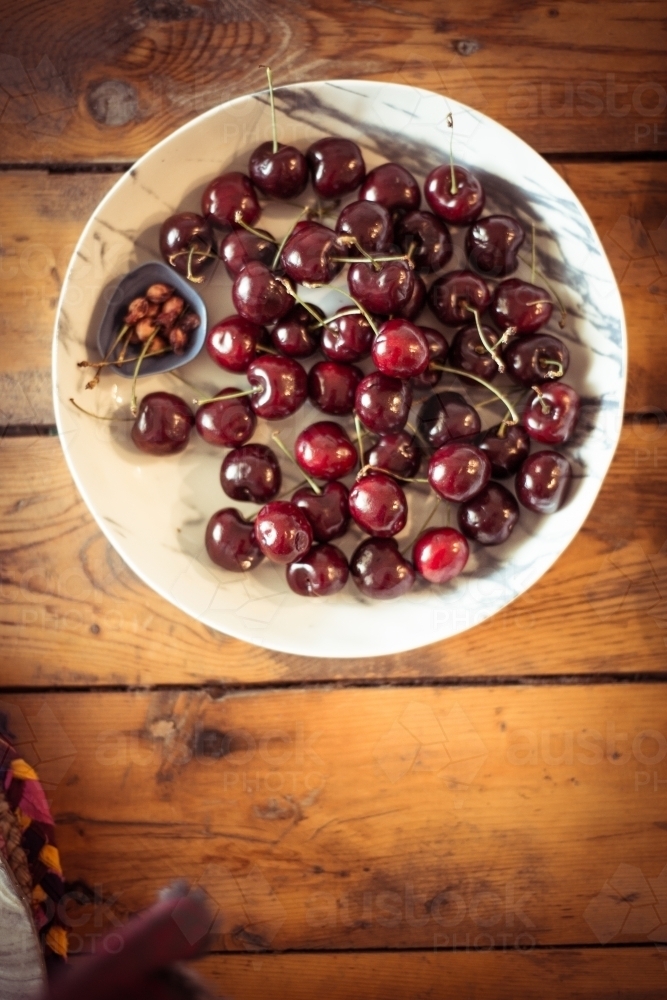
(154, 510)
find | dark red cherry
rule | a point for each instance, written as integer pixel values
(400, 349)
(369, 223)
(384, 288)
(232, 343)
(397, 453)
(393, 186)
(452, 294)
(162, 425)
(336, 166)
(228, 195)
(489, 517)
(437, 352)
(259, 295)
(467, 352)
(378, 505)
(380, 571)
(309, 255)
(429, 239)
(459, 471)
(332, 385)
(464, 205)
(297, 334)
(251, 473)
(283, 531)
(229, 422)
(347, 336)
(279, 174)
(415, 303)
(507, 447)
(383, 403)
(446, 417)
(283, 383)
(188, 244)
(328, 511)
(322, 572)
(492, 244)
(440, 554)
(551, 412)
(543, 481)
(230, 541)
(240, 247)
(519, 306)
(536, 357)
(324, 450)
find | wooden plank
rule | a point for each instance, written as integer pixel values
(73, 613)
(108, 81)
(351, 818)
(600, 974)
(41, 216)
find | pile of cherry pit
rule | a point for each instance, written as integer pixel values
(388, 244)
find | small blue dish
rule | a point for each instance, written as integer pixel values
(131, 287)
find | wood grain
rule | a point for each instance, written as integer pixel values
(600, 974)
(358, 819)
(73, 613)
(41, 216)
(105, 81)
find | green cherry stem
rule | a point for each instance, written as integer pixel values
(361, 309)
(339, 315)
(306, 305)
(276, 259)
(563, 315)
(360, 433)
(98, 416)
(423, 526)
(230, 395)
(144, 351)
(450, 124)
(311, 482)
(487, 385)
(493, 351)
(378, 468)
(238, 221)
(274, 127)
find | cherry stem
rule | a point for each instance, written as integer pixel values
(265, 350)
(229, 395)
(563, 314)
(558, 371)
(450, 124)
(543, 403)
(121, 361)
(274, 127)
(276, 259)
(424, 526)
(413, 430)
(99, 416)
(339, 315)
(487, 385)
(493, 351)
(238, 220)
(387, 472)
(360, 433)
(140, 358)
(365, 260)
(125, 329)
(361, 309)
(306, 305)
(311, 482)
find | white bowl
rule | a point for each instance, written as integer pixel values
(154, 510)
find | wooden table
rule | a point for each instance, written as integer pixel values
(485, 817)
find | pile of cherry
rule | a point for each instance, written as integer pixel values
(388, 244)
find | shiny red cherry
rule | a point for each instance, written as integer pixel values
(397, 453)
(507, 447)
(415, 303)
(543, 482)
(400, 349)
(427, 237)
(380, 571)
(551, 412)
(489, 518)
(282, 173)
(162, 425)
(336, 166)
(347, 336)
(519, 306)
(378, 505)
(464, 205)
(327, 511)
(227, 422)
(383, 403)
(393, 186)
(369, 223)
(283, 531)
(232, 343)
(535, 357)
(312, 254)
(259, 295)
(240, 247)
(227, 196)
(283, 384)
(492, 244)
(251, 473)
(467, 352)
(297, 334)
(452, 294)
(324, 450)
(384, 288)
(437, 352)
(459, 471)
(446, 416)
(332, 386)
(188, 244)
(321, 572)
(230, 541)
(440, 554)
